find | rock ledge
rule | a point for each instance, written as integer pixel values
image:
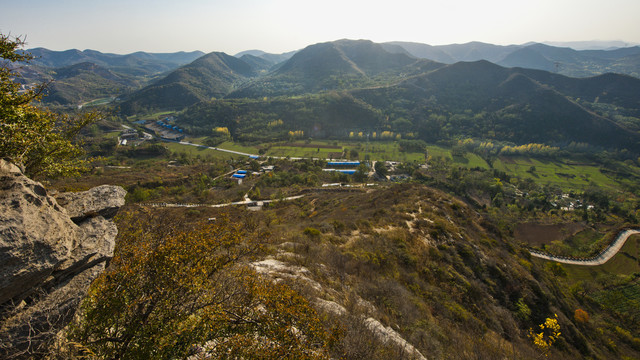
(51, 249)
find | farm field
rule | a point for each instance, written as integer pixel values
(565, 175)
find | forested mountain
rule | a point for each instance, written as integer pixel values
(467, 99)
(484, 100)
(75, 84)
(336, 65)
(394, 89)
(259, 64)
(76, 76)
(211, 76)
(328, 115)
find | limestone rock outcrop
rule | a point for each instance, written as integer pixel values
(51, 249)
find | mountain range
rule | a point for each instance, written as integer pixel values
(78, 76)
(507, 93)
(563, 60)
(398, 92)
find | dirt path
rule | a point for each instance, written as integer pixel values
(602, 258)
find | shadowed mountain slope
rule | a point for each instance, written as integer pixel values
(211, 76)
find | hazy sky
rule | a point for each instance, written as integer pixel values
(276, 26)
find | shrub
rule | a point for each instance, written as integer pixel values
(311, 232)
(581, 316)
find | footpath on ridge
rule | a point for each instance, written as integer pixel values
(600, 259)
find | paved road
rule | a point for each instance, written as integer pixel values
(602, 258)
(247, 201)
(215, 148)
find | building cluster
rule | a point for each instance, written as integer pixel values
(167, 131)
(127, 136)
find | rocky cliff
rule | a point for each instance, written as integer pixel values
(51, 249)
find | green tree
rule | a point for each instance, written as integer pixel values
(37, 139)
(381, 169)
(362, 173)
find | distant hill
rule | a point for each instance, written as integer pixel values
(273, 58)
(258, 64)
(336, 65)
(453, 53)
(591, 45)
(85, 81)
(418, 50)
(78, 76)
(563, 60)
(211, 76)
(138, 63)
(575, 63)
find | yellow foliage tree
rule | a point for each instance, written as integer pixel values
(222, 130)
(548, 335)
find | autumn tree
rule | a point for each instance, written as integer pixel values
(548, 335)
(36, 139)
(581, 316)
(171, 293)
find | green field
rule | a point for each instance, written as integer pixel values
(624, 300)
(377, 151)
(96, 102)
(565, 175)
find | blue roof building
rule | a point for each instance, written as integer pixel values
(343, 163)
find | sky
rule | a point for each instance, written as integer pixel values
(277, 26)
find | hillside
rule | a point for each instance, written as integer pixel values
(86, 81)
(211, 76)
(393, 271)
(330, 115)
(517, 105)
(78, 76)
(336, 65)
(258, 64)
(479, 100)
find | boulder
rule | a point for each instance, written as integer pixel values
(102, 200)
(51, 249)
